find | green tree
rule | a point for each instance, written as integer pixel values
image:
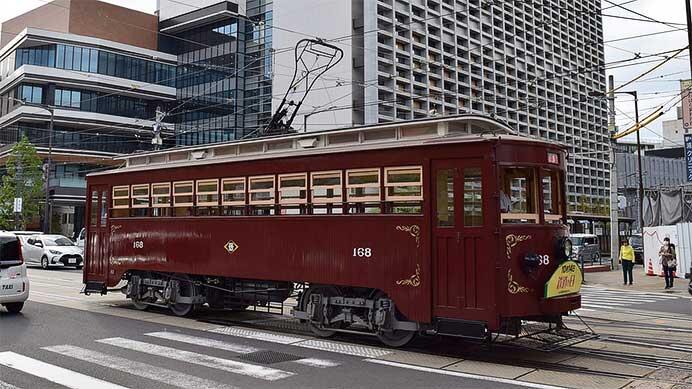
(23, 178)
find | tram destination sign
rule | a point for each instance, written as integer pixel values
(688, 156)
(567, 279)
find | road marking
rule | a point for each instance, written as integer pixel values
(344, 348)
(5, 385)
(261, 372)
(464, 375)
(257, 335)
(205, 342)
(166, 376)
(55, 374)
(596, 306)
(314, 362)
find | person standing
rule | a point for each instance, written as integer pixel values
(669, 261)
(627, 260)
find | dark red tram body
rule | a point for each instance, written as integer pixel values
(459, 260)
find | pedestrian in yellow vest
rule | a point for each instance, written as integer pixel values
(627, 260)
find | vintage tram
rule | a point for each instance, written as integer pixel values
(453, 225)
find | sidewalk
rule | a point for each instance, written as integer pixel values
(613, 280)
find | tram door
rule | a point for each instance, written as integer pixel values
(96, 245)
(462, 259)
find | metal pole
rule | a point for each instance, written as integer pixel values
(614, 222)
(639, 163)
(48, 214)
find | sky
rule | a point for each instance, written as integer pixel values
(654, 89)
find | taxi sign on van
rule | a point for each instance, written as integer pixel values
(567, 279)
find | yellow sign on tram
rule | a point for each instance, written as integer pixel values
(567, 279)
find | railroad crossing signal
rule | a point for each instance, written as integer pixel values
(231, 246)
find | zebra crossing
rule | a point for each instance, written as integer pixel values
(239, 359)
(593, 298)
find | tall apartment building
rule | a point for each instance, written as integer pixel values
(96, 66)
(531, 64)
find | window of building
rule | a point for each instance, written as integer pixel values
(183, 198)
(518, 197)
(473, 197)
(444, 187)
(261, 190)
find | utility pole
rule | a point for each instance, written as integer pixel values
(614, 222)
(639, 163)
(688, 7)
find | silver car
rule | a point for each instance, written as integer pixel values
(586, 247)
(51, 251)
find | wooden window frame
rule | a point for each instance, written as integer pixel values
(387, 184)
(199, 193)
(250, 191)
(340, 187)
(224, 192)
(191, 194)
(133, 197)
(304, 188)
(114, 197)
(155, 196)
(377, 185)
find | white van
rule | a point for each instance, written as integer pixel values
(14, 283)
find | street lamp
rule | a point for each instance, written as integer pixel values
(47, 214)
(639, 150)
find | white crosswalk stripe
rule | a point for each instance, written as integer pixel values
(603, 298)
(5, 385)
(55, 374)
(255, 371)
(166, 376)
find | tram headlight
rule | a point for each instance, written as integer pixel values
(567, 248)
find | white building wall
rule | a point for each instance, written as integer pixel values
(327, 19)
(673, 133)
(168, 9)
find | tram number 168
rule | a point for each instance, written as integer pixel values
(362, 252)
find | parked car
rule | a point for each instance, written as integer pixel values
(637, 244)
(51, 250)
(586, 247)
(14, 284)
(80, 239)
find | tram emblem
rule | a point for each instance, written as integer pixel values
(231, 246)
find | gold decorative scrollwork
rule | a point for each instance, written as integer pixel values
(413, 230)
(513, 287)
(413, 281)
(512, 240)
(115, 227)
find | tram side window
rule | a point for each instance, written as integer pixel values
(404, 189)
(473, 197)
(233, 196)
(183, 198)
(208, 197)
(160, 199)
(293, 195)
(518, 196)
(121, 201)
(140, 200)
(94, 212)
(363, 190)
(552, 201)
(261, 192)
(444, 185)
(327, 195)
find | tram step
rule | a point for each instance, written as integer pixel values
(95, 287)
(462, 328)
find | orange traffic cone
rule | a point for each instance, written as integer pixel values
(649, 268)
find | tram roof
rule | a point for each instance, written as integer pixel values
(449, 129)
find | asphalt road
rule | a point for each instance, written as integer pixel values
(122, 351)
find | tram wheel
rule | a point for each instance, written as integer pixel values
(393, 338)
(142, 305)
(325, 291)
(187, 289)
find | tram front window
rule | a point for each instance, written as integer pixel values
(519, 195)
(552, 200)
